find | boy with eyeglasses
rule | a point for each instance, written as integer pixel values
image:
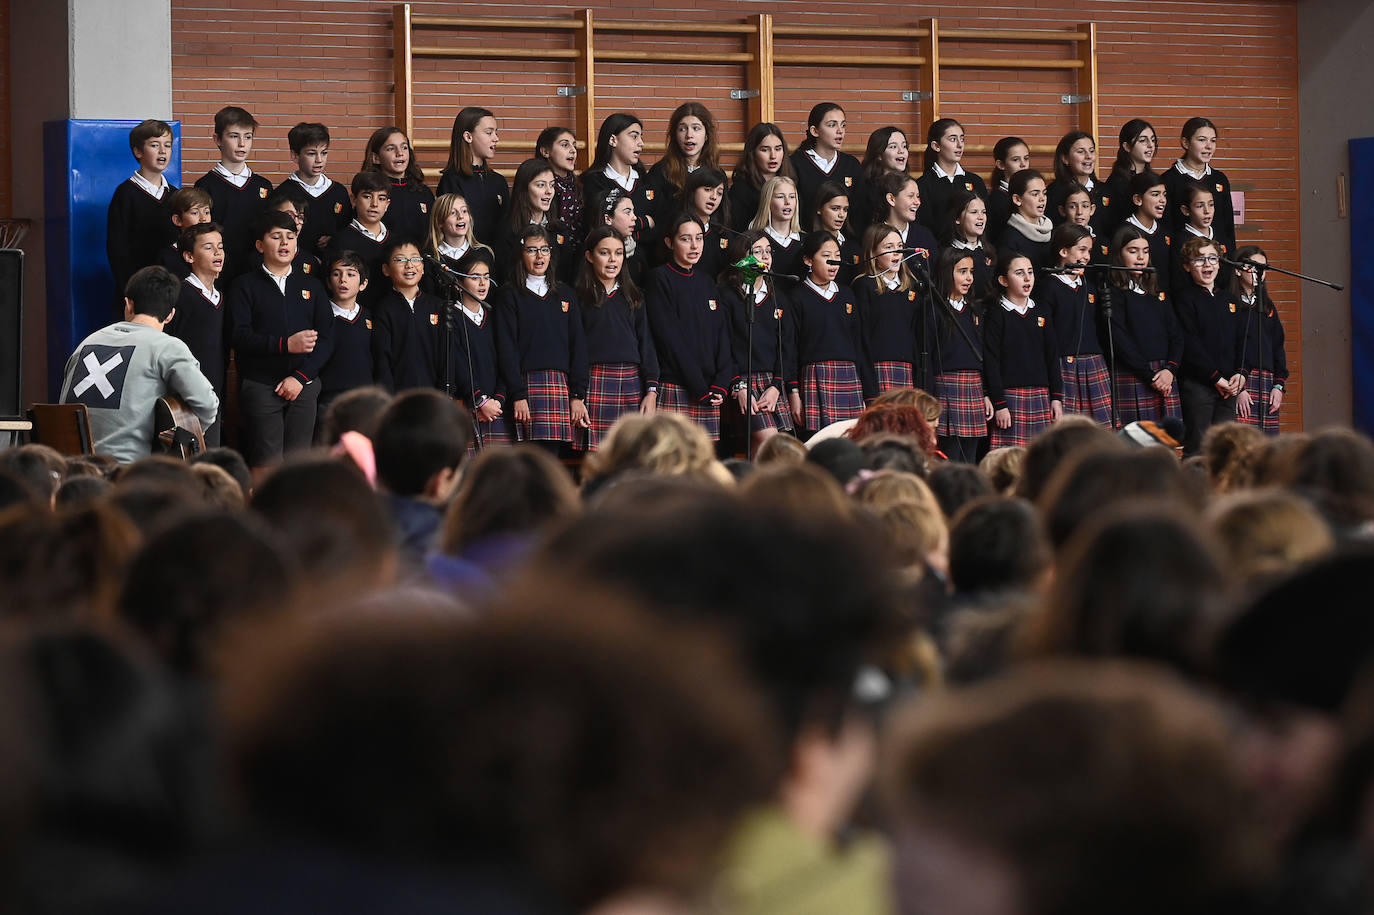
(1209, 317)
(405, 339)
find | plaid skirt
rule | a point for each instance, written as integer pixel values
(1087, 387)
(496, 432)
(1136, 400)
(1030, 415)
(614, 390)
(831, 392)
(893, 375)
(1259, 382)
(962, 414)
(674, 398)
(780, 418)
(550, 414)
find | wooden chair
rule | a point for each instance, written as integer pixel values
(65, 427)
(15, 428)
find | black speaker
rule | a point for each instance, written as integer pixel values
(11, 330)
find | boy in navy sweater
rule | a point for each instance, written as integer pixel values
(350, 366)
(199, 316)
(282, 333)
(137, 227)
(405, 341)
(331, 207)
(190, 206)
(237, 195)
(366, 234)
(1212, 377)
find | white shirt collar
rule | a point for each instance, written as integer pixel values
(1088, 183)
(1068, 279)
(1135, 287)
(758, 294)
(948, 176)
(965, 245)
(346, 315)
(316, 189)
(539, 285)
(626, 183)
(448, 250)
(1211, 233)
(156, 190)
(279, 280)
(1133, 220)
(781, 239)
(211, 293)
(238, 180)
(824, 165)
(1004, 186)
(1247, 299)
(829, 291)
(957, 304)
(410, 302)
(892, 281)
(476, 317)
(379, 237)
(1010, 306)
(1206, 170)
(839, 237)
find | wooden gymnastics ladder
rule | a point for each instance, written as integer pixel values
(758, 57)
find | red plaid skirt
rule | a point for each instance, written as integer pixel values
(831, 392)
(496, 432)
(550, 414)
(674, 398)
(893, 375)
(962, 414)
(1259, 382)
(1030, 415)
(1087, 387)
(614, 390)
(781, 418)
(1136, 400)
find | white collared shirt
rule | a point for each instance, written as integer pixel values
(957, 305)
(1087, 183)
(212, 293)
(1068, 279)
(839, 237)
(759, 293)
(476, 317)
(539, 285)
(1009, 305)
(155, 190)
(893, 281)
(238, 180)
(1004, 186)
(824, 165)
(359, 226)
(941, 173)
(279, 280)
(346, 315)
(1141, 226)
(781, 239)
(965, 245)
(316, 189)
(1211, 233)
(1135, 287)
(410, 303)
(626, 182)
(829, 291)
(1247, 299)
(450, 251)
(1206, 170)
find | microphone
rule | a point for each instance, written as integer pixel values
(1247, 262)
(1074, 268)
(834, 263)
(752, 269)
(451, 275)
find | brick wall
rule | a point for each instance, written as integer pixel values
(330, 60)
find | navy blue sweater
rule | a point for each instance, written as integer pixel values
(200, 325)
(487, 194)
(1176, 182)
(1211, 333)
(261, 318)
(325, 216)
(935, 194)
(1020, 353)
(405, 343)
(615, 332)
(596, 184)
(1038, 251)
(890, 320)
(773, 350)
(1144, 330)
(350, 239)
(1261, 340)
(236, 209)
(950, 350)
(473, 363)
(847, 172)
(540, 333)
(408, 214)
(1074, 313)
(351, 364)
(830, 330)
(138, 226)
(690, 331)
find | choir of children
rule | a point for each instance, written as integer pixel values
(844, 292)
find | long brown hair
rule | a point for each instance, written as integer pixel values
(591, 293)
(674, 162)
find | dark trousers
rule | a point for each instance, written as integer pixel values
(274, 426)
(1203, 408)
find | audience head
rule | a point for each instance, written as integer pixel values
(421, 439)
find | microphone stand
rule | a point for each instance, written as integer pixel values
(453, 293)
(1109, 294)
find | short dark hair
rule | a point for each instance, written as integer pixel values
(421, 433)
(997, 544)
(348, 259)
(370, 181)
(146, 131)
(356, 410)
(38, 467)
(233, 116)
(232, 463)
(272, 219)
(307, 133)
(182, 199)
(188, 237)
(291, 192)
(396, 242)
(154, 291)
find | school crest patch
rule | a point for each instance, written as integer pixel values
(1106, 201)
(1161, 297)
(911, 296)
(649, 194)
(848, 181)
(305, 268)
(1091, 298)
(1039, 322)
(856, 260)
(849, 308)
(305, 294)
(777, 314)
(1218, 187)
(1069, 359)
(368, 323)
(724, 243)
(565, 305)
(711, 303)
(338, 208)
(560, 239)
(1233, 308)
(499, 201)
(424, 208)
(1168, 240)
(434, 319)
(262, 192)
(968, 185)
(1104, 249)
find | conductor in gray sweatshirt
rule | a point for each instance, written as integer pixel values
(120, 371)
